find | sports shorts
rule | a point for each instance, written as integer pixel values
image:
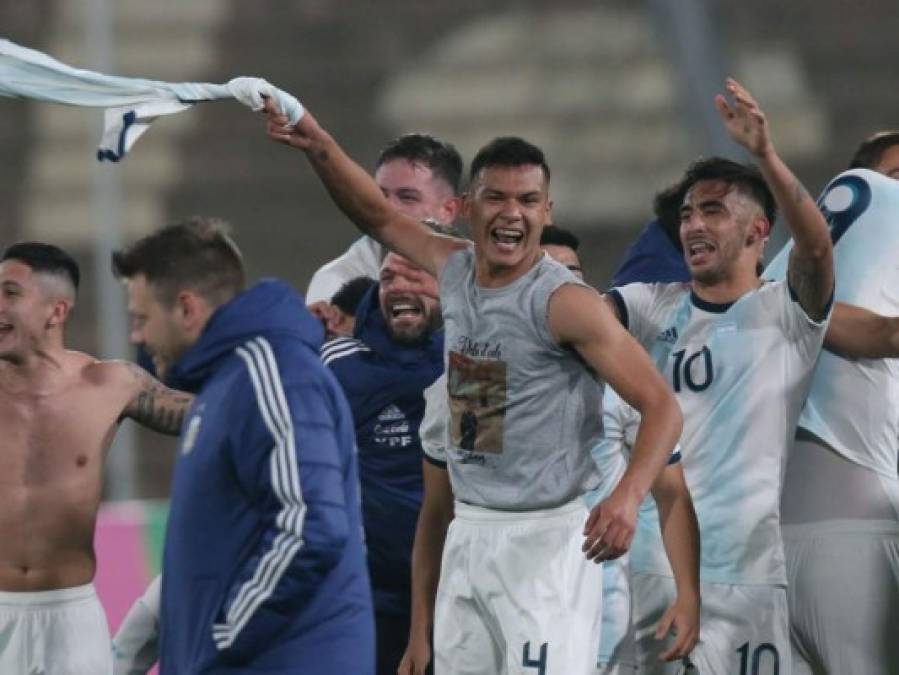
(617, 655)
(743, 629)
(843, 596)
(516, 594)
(58, 632)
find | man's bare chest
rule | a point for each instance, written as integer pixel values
(44, 438)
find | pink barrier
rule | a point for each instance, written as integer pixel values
(128, 543)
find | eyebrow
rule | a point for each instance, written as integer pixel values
(702, 204)
(518, 195)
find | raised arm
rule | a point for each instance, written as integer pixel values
(153, 404)
(358, 196)
(810, 270)
(580, 319)
(859, 333)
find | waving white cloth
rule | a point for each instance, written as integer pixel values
(131, 104)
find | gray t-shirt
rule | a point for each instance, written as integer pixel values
(524, 412)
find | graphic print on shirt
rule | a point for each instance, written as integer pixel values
(392, 428)
(477, 400)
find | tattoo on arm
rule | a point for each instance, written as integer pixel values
(156, 406)
(807, 280)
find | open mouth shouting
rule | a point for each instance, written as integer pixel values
(404, 310)
(506, 239)
(699, 251)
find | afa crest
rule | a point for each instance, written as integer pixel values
(193, 429)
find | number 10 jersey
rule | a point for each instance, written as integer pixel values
(740, 372)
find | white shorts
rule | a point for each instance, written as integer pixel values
(516, 595)
(60, 632)
(616, 669)
(844, 596)
(743, 630)
(617, 653)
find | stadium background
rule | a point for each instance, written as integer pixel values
(617, 92)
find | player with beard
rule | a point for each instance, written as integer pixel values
(739, 353)
(396, 352)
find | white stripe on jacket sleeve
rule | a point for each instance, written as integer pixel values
(285, 477)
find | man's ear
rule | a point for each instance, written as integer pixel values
(466, 205)
(451, 207)
(59, 313)
(758, 231)
(191, 309)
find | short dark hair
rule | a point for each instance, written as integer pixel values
(745, 177)
(439, 156)
(45, 258)
(196, 253)
(348, 296)
(666, 206)
(508, 151)
(870, 152)
(553, 235)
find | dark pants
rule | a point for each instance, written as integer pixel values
(391, 638)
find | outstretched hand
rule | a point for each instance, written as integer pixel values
(744, 121)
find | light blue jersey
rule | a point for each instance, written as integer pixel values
(740, 372)
(853, 405)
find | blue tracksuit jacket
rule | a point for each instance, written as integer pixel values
(383, 381)
(264, 566)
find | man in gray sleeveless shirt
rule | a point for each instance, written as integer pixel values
(526, 341)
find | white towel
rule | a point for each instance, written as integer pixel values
(132, 104)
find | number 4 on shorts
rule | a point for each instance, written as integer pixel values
(529, 662)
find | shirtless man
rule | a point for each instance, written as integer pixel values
(58, 410)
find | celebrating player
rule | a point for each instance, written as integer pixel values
(840, 504)
(59, 410)
(739, 354)
(519, 328)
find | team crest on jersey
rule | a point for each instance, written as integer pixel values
(193, 429)
(668, 335)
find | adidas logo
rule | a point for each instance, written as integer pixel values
(668, 335)
(391, 414)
